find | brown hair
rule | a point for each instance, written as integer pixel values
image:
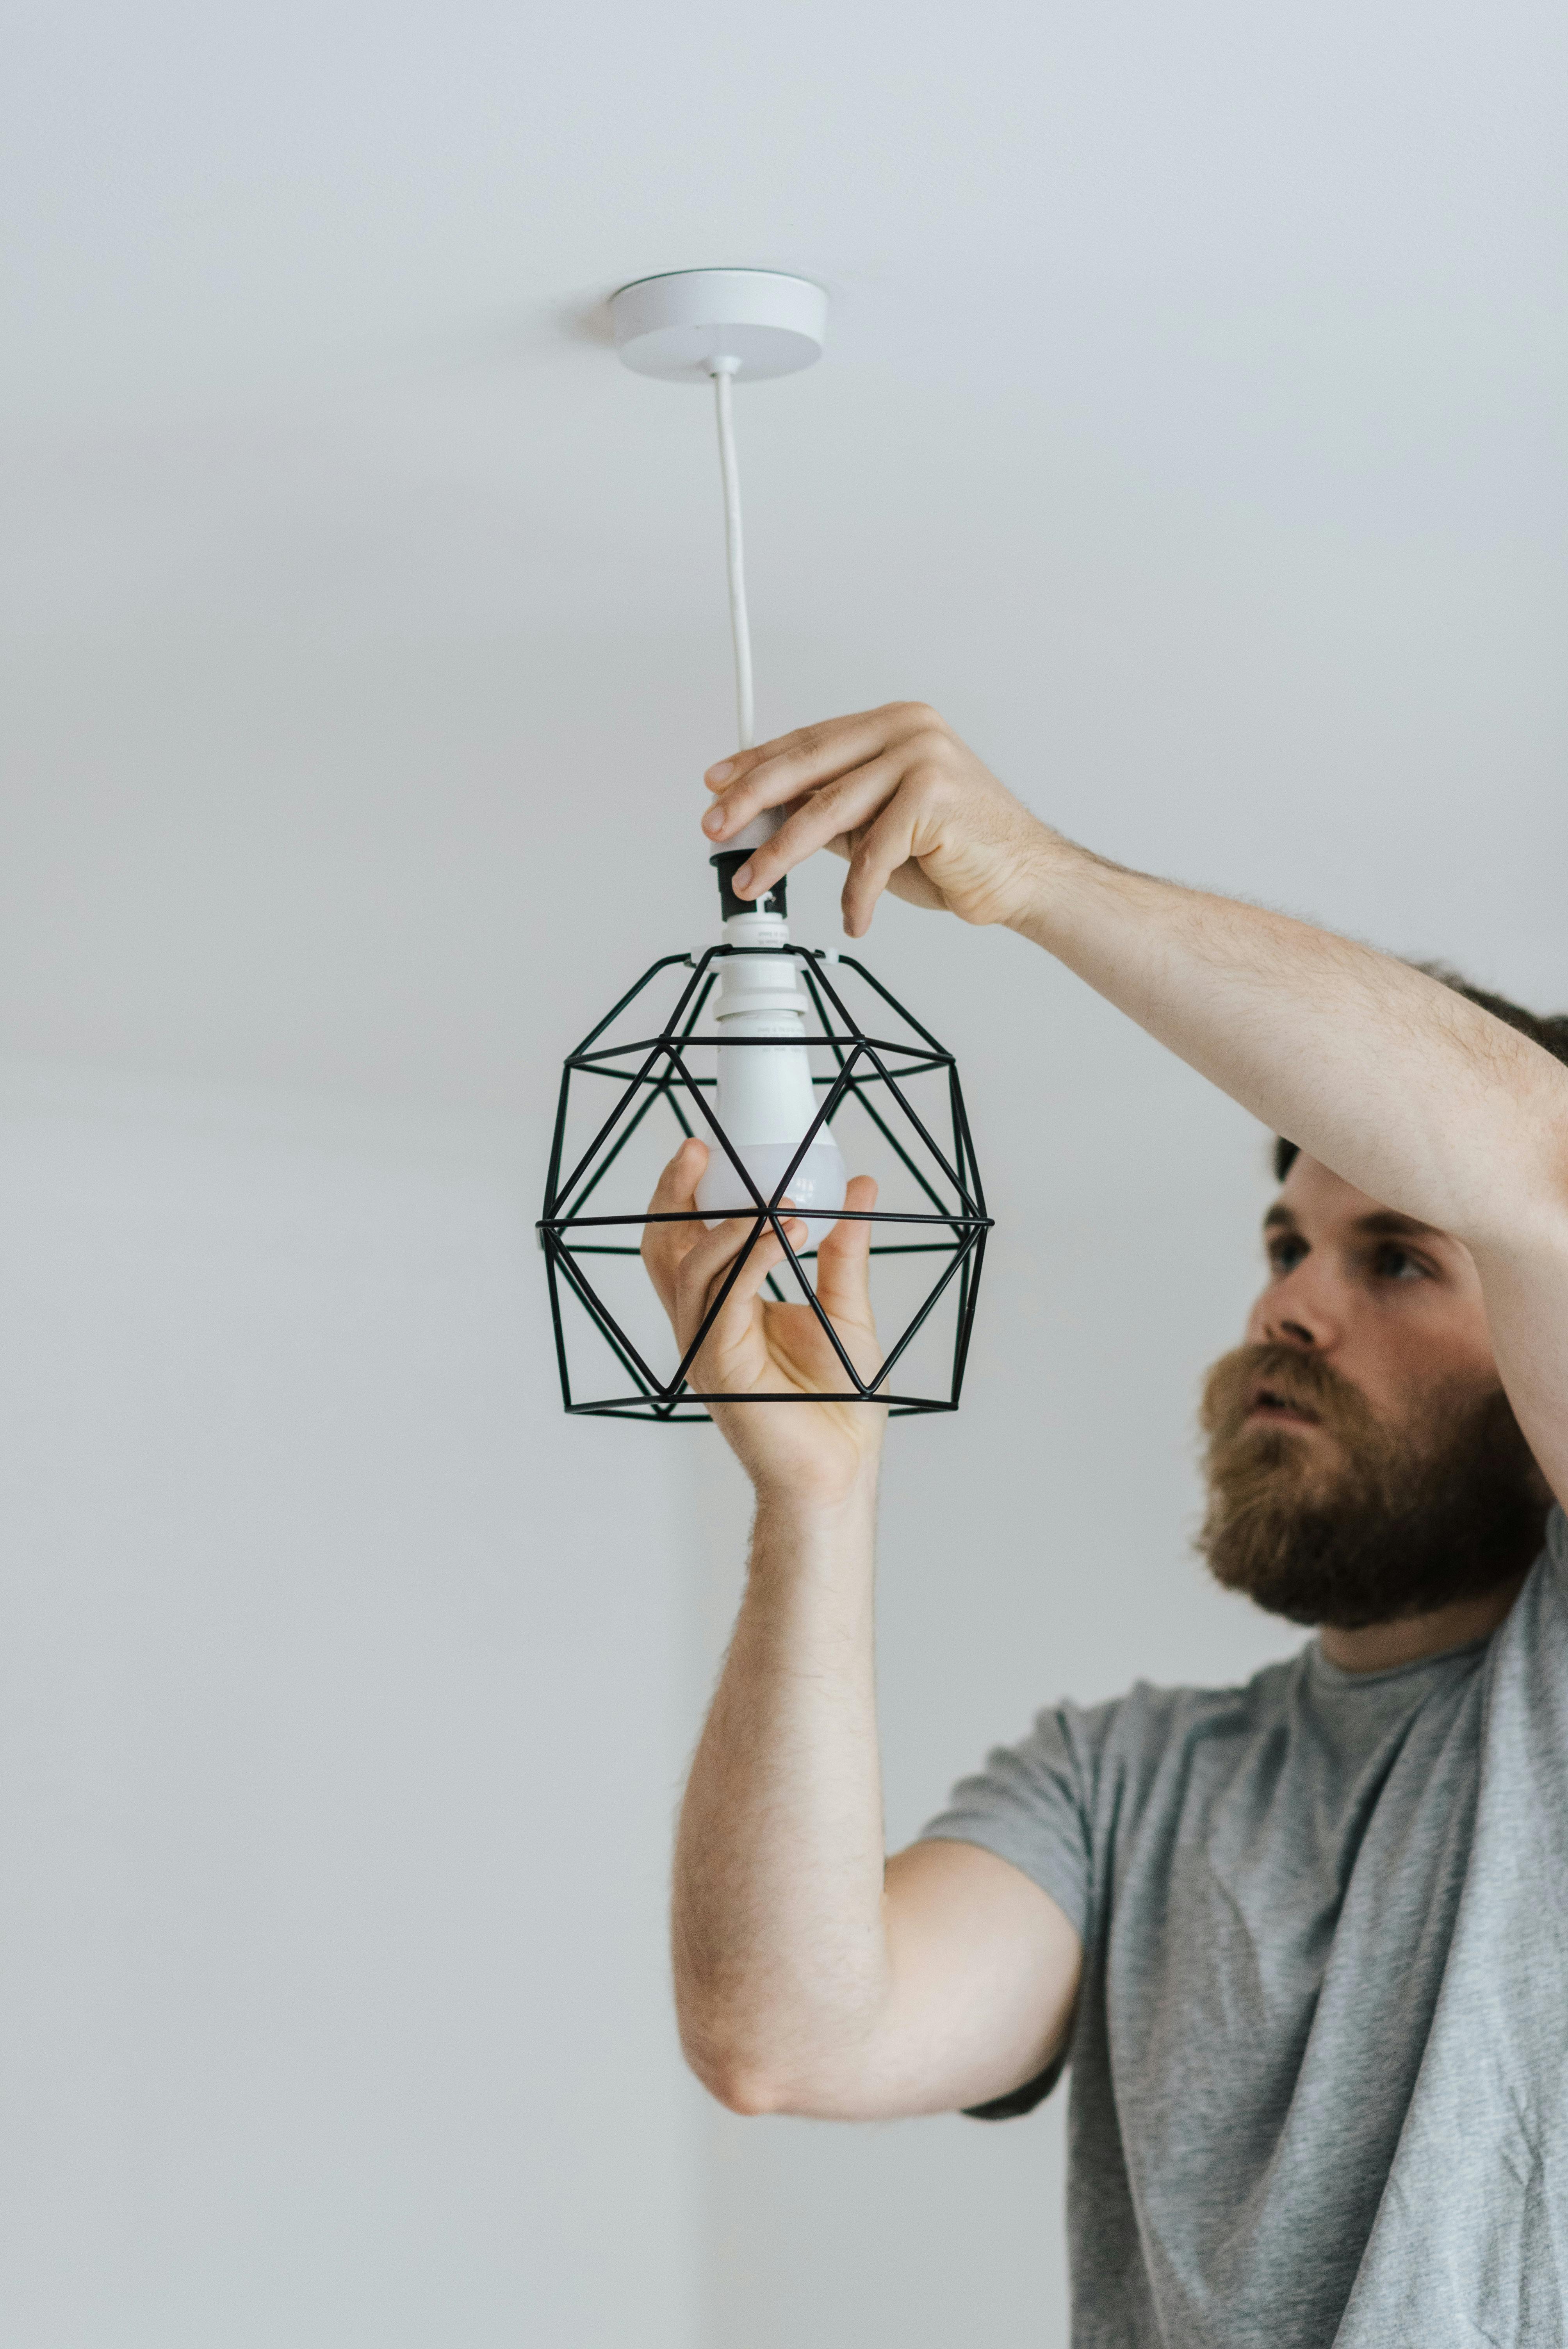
(1550, 1030)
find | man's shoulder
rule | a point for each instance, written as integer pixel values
(1153, 1718)
(1234, 1704)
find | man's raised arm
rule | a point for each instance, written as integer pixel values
(1396, 1083)
(806, 1982)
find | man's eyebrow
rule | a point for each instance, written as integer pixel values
(1383, 1222)
(1387, 1224)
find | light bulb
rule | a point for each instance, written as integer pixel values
(766, 1100)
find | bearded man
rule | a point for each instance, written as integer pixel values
(1304, 1943)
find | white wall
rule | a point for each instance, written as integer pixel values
(337, 1745)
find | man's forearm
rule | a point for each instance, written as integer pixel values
(1400, 1085)
(779, 1952)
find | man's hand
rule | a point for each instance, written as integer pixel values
(814, 1451)
(897, 792)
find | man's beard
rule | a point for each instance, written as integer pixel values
(1379, 1522)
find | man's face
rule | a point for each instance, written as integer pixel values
(1363, 1462)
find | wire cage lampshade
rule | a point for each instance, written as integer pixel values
(891, 1102)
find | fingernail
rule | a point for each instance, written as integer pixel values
(714, 820)
(722, 772)
(742, 881)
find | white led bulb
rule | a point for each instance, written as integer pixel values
(766, 1100)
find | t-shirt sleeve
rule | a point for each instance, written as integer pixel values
(1030, 1806)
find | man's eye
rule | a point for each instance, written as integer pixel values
(1286, 1255)
(1392, 1263)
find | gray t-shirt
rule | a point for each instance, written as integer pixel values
(1320, 2057)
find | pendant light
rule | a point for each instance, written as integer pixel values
(772, 1054)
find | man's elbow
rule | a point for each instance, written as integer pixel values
(734, 2079)
(748, 2067)
(746, 2082)
(739, 2090)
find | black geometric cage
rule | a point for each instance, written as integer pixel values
(896, 1111)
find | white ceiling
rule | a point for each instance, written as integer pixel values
(1191, 431)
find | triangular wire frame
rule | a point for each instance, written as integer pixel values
(872, 1071)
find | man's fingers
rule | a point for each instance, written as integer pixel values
(877, 856)
(749, 780)
(712, 1253)
(704, 1269)
(846, 805)
(664, 1244)
(796, 770)
(843, 1259)
(676, 1186)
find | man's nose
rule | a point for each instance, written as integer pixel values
(1296, 1311)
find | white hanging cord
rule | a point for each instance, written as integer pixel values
(723, 372)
